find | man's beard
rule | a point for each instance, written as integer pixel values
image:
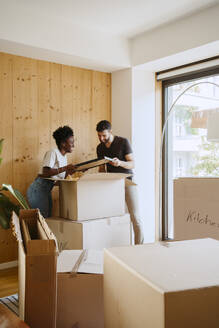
(106, 141)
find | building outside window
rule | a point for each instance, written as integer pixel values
(188, 152)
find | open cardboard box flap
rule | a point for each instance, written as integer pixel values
(43, 242)
(96, 176)
(15, 226)
(80, 261)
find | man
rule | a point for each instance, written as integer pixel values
(120, 151)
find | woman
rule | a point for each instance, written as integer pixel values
(54, 165)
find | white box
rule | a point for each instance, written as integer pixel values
(91, 234)
(92, 196)
(162, 285)
(80, 295)
(196, 208)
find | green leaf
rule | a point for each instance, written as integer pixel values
(8, 205)
(16, 193)
(1, 145)
(4, 219)
(6, 208)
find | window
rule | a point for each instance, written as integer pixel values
(187, 152)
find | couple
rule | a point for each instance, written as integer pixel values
(55, 165)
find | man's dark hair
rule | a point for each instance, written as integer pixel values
(103, 125)
(62, 134)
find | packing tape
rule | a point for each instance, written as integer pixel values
(82, 257)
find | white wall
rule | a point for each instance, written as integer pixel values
(122, 103)
(143, 140)
(191, 32)
(133, 117)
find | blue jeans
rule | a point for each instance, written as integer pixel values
(39, 196)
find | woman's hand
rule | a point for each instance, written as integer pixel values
(70, 169)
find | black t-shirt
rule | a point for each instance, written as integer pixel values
(120, 147)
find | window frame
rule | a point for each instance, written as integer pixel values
(165, 84)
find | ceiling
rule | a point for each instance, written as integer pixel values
(124, 18)
(110, 35)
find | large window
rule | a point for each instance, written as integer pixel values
(187, 152)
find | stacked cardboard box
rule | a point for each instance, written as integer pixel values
(56, 290)
(92, 212)
(91, 234)
(93, 216)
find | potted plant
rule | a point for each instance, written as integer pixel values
(6, 204)
(8, 244)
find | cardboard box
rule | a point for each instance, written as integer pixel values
(92, 196)
(37, 257)
(62, 293)
(92, 234)
(80, 295)
(162, 285)
(196, 208)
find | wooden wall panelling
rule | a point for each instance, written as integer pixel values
(82, 114)
(43, 133)
(25, 123)
(6, 118)
(101, 100)
(8, 246)
(37, 97)
(67, 99)
(55, 100)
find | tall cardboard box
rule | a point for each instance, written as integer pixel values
(37, 261)
(92, 196)
(162, 285)
(196, 208)
(80, 289)
(91, 234)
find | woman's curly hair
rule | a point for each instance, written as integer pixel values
(62, 134)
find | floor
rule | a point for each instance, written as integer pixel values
(10, 320)
(8, 282)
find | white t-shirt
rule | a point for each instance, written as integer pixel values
(54, 159)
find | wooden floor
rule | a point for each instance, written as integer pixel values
(8, 282)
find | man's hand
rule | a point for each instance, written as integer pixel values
(115, 162)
